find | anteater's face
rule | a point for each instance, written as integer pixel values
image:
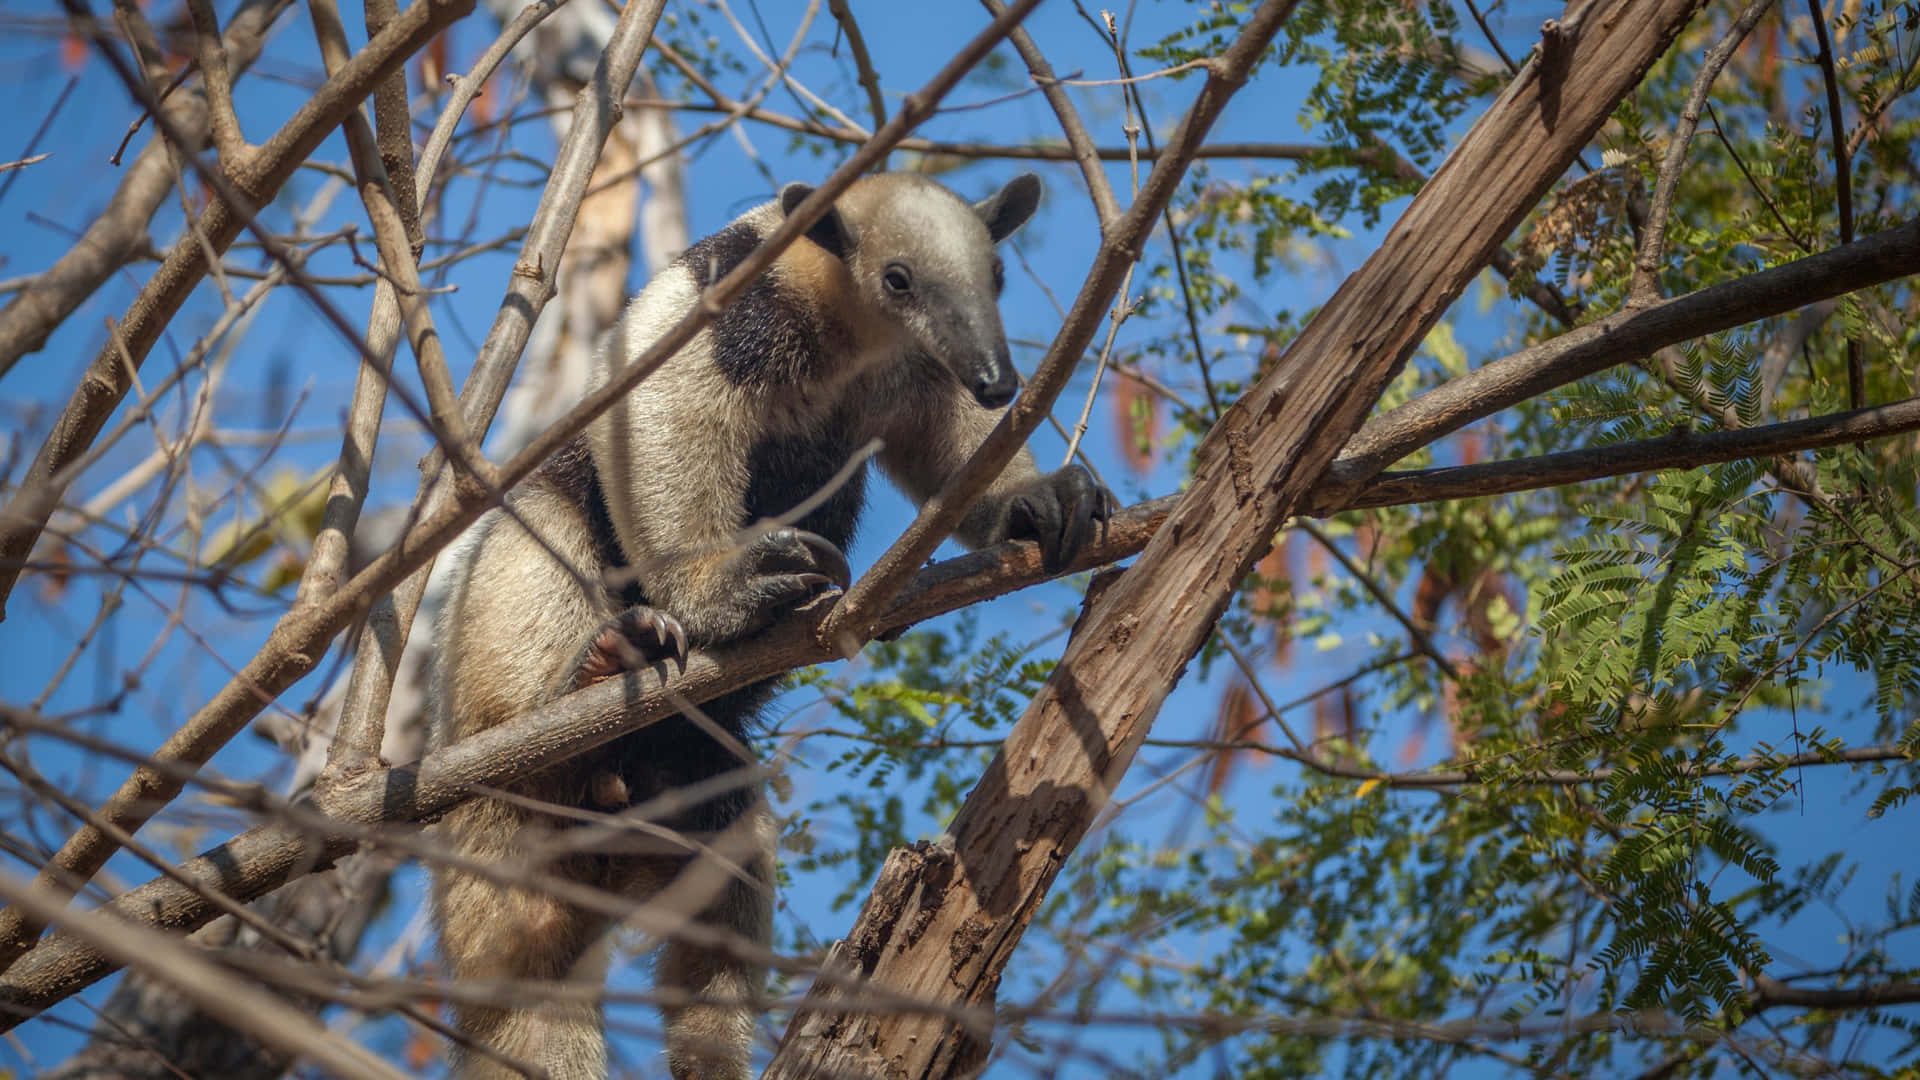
(922, 261)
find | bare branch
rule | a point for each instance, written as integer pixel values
(1079, 143)
(863, 63)
(232, 1000)
(119, 232)
(1681, 450)
(1618, 338)
(109, 376)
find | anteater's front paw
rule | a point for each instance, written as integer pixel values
(636, 638)
(777, 573)
(788, 567)
(1058, 511)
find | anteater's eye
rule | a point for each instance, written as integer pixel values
(898, 279)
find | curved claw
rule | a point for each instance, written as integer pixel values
(636, 638)
(800, 551)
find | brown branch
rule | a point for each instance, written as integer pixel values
(945, 916)
(1653, 235)
(119, 233)
(1769, 992)
(110, 375)
(393, 123)
(232, 1000)
(228, 142)
(1618, 338)
(863, 63)
(1475, 774)
(1843, 185)
(1680, 450)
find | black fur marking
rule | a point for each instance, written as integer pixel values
(784, 472)
(571, 472)
(768, 336)
(716, 256)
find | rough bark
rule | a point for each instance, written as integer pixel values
(945, 917)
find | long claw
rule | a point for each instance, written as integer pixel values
(832, 560)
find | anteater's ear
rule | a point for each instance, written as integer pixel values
(1009, 208)
(830, 232)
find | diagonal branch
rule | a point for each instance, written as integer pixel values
(1079, 143)
(1618, 338)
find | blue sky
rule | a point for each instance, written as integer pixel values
(291, 364)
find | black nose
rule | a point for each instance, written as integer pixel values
(993, 389)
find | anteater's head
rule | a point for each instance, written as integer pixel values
(921, 262)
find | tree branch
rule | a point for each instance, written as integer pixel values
(1653, 235)
(226, 997)
(1680, 450)
(1079, 146)
(110, 375)
(1623, 336)
(119, 233)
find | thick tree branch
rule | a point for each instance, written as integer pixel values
(1680, 450)
(1618, 338)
